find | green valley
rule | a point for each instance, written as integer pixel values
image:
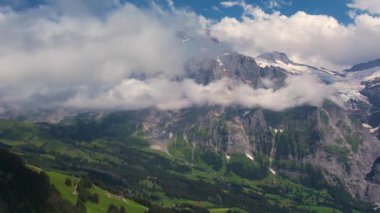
(115, 156)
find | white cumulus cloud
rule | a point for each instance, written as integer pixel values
(371, 6)
(314, 39)
(48, 54)
(57, 56)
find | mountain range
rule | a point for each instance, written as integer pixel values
(331, 150)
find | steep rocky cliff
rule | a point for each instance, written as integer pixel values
(329, 140)
(316, 146)
(286, 142)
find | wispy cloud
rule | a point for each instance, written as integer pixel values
(276, 4)
(370, 6)
(230, 3)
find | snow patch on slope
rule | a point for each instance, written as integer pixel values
(349, 87)
(374, 130)
(228, 157)
(276, 130)
(249, 156)
(367, 126)
(293, 69)
(350, 90)
(374, 75)
(272, 171)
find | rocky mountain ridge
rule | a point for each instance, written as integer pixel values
(364, 66)
(330, 140)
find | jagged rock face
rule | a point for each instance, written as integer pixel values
(364, 66)
(275, 56)
(326, 138)
(374, 175)
(348, 154)
(372, 92)
(235, 66)
(232, 130)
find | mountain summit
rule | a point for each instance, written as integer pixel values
(364, 66)
(275, 57)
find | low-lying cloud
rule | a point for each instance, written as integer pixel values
(166, 94)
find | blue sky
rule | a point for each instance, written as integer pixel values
(207, 8)
(251, 35)
(330, 33)
(337, 9)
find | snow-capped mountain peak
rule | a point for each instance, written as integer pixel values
(275, 57)
(279, 59)
(364, 66)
